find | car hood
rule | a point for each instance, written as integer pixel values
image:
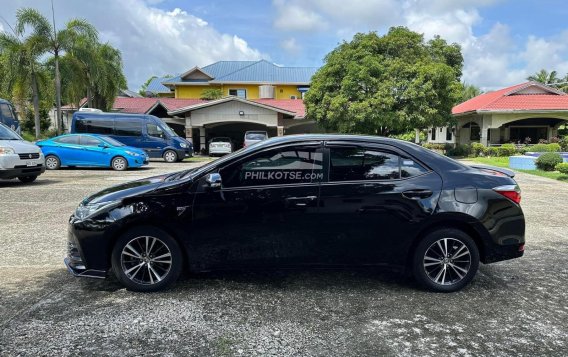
(129, 189)
(20, 146)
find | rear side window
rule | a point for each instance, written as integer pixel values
(71, 139)
(95, 126)
(290, 165)
(89, 141)
(128, 127)
(357, 164)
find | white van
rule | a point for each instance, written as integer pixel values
(19, 158)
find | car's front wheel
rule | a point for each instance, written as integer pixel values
(52, 162)
(170, 156)
(446, 260)
(119, 163)
(146, 259)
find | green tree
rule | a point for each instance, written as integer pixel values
(144, 86)
(382, 84)
(211, 93)
(56, 42)
(544, 77)
(469, 91)
(22, 72)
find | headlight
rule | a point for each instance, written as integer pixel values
(6, 150)
(88, 210)
(183, 145)
(132, 153)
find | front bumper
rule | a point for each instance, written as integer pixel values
(184, 153)
(22, 170)
(75, 263)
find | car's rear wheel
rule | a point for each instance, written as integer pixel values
(170, 156)
(52, 162)
(119, 163)
(27, 179)
(446, 260)
(146, 259)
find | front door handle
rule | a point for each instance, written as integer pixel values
(417, 194)
(300, 201)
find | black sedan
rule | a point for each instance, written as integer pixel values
(306, 200)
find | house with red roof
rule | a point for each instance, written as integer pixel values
(526, 112)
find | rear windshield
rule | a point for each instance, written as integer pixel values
(220, 140)
(255, 136)
(7, 134)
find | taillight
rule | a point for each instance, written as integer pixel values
(512, 192)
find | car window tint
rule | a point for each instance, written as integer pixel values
(354, 164)
(276, 167)
(155, 130)
(101, 126)
(409, 168)
(6, 112)
(71, 139)
(127, 127)
(89, 141)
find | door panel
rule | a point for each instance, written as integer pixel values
(92, 154)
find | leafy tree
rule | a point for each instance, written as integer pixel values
(56, 42)
(544, 77)
(469, 91)
(211, 93)
(144, 87)
(382, 84)
(22, 72)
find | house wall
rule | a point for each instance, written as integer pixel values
(194, 92)
(440, 135)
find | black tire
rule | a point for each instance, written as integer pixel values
(450, 272)
(144, 279)
(119, 164)
(27, 179)
(170, 156)
(52, 162)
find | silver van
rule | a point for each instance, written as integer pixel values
(19, 158)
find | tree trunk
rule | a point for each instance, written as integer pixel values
(58, 120)
(89, 99)
(35, 100)
(417, 137)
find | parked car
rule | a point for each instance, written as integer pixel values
(220, 146)
(253, 137)
(8, 116)
(19, 158)
(145, 132)
(305, 200)
(90, 150)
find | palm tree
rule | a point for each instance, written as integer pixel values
(469, 91)
(22, 70)
(56, 41)
(544, 77)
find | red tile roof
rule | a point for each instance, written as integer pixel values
(133, 105)
(291, 105)
(175, 103)
(517, 97)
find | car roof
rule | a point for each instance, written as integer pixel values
(5, 101)
(108, 114)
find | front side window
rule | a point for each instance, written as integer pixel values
(290, 165)
(241, 93)
(155, 131)
(6, 111)
(89, 141)
(355, 164)
(70, 139)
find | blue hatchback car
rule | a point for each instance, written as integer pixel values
(90, 150)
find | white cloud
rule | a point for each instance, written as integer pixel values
(290, 45)
(152, 41)
(297, 17)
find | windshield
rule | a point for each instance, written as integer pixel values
(165, 128)
(111, 141)
(255, 136)
(7, 134)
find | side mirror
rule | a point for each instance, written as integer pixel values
(103, 145)
(213, 180)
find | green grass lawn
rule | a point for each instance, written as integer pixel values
(504, 162)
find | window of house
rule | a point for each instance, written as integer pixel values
(433, 136)
(241, 93)
(475, 132)
(448, 133)
(288, 165)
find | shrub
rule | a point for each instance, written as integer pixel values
(28, 122)
(563, 143)
(507, 150)
(492, 151)
(459, 150)
(477, 149)
(435, 146)
(562, 167)
(548, 161)
(554, 147)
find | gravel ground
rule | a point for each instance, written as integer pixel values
(517, 307)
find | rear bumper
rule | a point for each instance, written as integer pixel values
(22, 171)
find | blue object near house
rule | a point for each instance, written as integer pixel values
(528, 161)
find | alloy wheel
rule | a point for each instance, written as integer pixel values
(170, 156)
(146, 260)
(119, 164)
(447, 261)
(51, 163)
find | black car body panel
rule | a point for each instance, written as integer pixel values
(318, 222)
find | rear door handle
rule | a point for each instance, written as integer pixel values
(300, 201)
(417, 194)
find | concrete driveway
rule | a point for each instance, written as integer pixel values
(517, 307)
